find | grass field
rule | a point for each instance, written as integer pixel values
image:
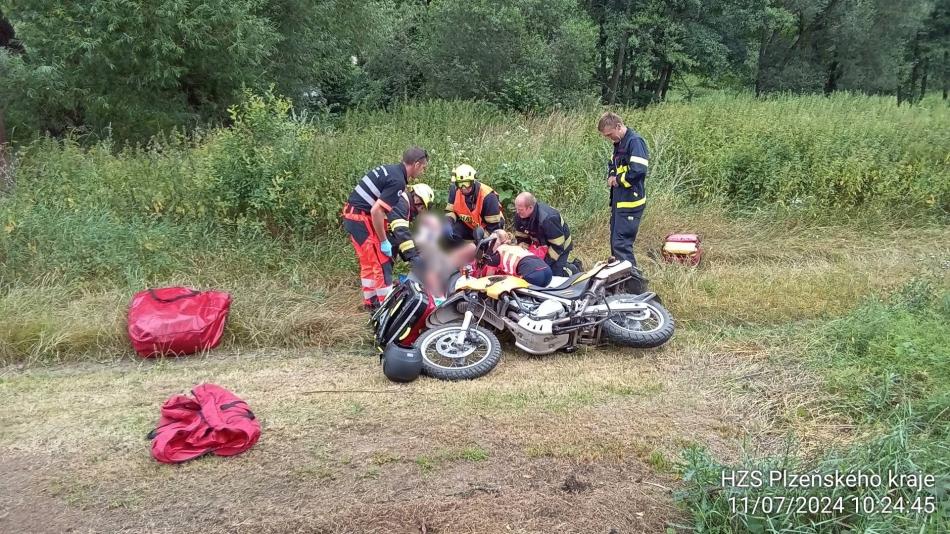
(813, 335)
(584, 443)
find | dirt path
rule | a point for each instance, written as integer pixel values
(580, 443)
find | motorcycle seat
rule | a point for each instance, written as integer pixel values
(569, 292)
(567, 289)
(565, 284)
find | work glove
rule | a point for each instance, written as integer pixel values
(387, 248)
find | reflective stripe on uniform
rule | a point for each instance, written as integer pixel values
(641, 161)
(553, 253)
(406, 245)
(398, 223)
(383, 292)
(559, 241)
(369, 184)
(634, 204)
(385, 172)
(366, 196)
(622, 175)
(492, 218)
(511, 256)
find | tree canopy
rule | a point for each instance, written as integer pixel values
(130, 68)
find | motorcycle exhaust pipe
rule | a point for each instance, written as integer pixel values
(619, 307)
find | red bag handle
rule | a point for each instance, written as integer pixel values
(155, 296)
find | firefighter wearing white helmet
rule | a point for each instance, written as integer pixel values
(416, 199)
(471, 204)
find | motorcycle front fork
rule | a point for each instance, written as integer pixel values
(466, 323)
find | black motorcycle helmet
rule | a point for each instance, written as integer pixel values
(401, 364)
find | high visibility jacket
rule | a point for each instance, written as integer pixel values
(382, 183)
(629, 165)
(545, 227)
(480, 208)
(510, 256)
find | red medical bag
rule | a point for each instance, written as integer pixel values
(682, 248)
(177, 320)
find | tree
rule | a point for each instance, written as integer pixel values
(523, 55)
(644, 44)
(134, 68)
(829, 45)
(9, 46)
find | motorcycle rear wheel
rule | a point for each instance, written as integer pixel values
(634, 330)
(442, 358)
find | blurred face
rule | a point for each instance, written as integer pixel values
(465, 187)
(418, 204)
(523, 209)
(614, 134)
(416, 169)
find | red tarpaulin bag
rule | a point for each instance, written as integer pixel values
(177, 320)
(215, 421)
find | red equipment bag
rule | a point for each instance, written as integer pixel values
(215, 421)
(177, 320)
(682, 248)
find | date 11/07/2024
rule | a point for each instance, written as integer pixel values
(866, 505)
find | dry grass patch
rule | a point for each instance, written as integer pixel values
(767, 273)
(570, 442)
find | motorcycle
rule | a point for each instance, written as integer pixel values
(457, 338)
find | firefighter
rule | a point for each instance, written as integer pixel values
(412, 202)
(516, 261)
(471, 204)
(364, 218)
(536, 223)
(626, 171)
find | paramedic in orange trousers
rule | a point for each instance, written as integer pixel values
(364, 218)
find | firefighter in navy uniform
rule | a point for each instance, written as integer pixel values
(416, 199)
(540, 224)
(625, 176)
(364, 218)
(471, 204)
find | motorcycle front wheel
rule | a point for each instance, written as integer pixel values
(444, 358)
(644, 330)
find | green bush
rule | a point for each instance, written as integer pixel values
(254, 169)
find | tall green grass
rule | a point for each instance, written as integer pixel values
(840, 154)
(888, 365)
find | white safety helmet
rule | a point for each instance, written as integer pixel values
(424, 192)
(464, 174)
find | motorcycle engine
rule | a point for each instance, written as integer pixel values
(533, 331)
(549, 309)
